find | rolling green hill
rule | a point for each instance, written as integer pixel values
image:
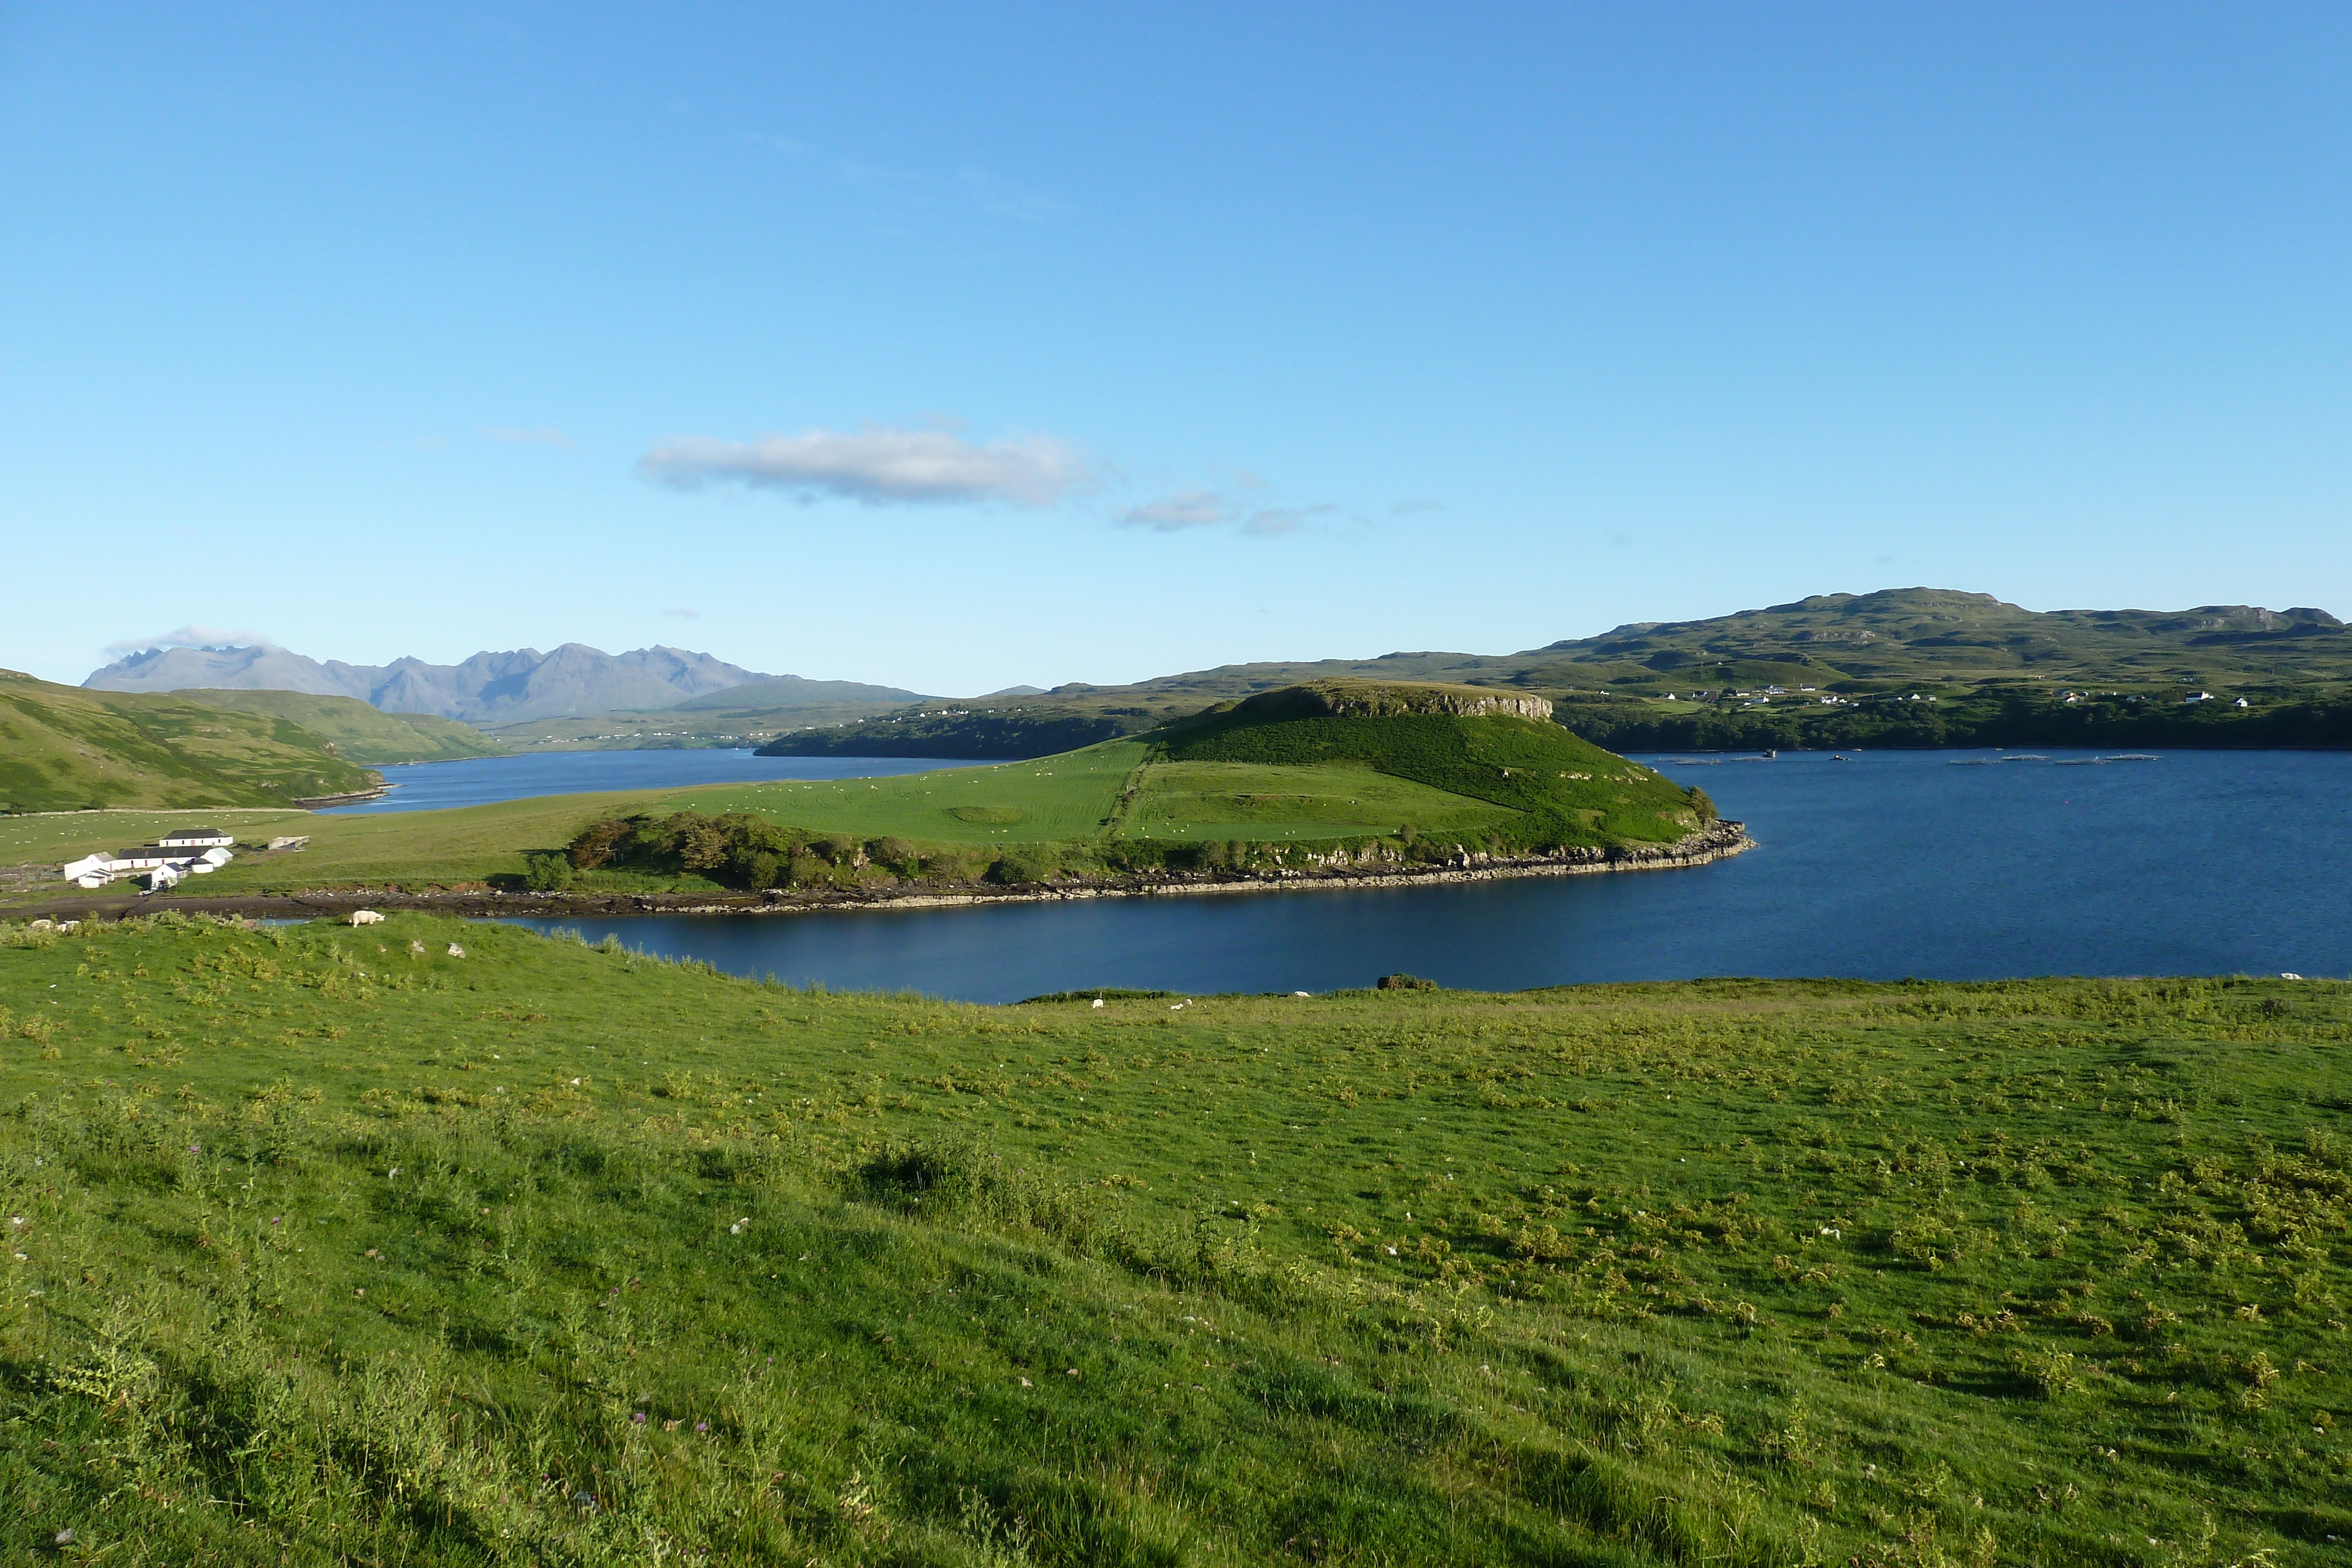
(1334, 774)
(64, 748)
(1554, 788)
(2000, 674)
(362, 733)
(334, 1245)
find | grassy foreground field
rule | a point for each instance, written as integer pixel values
(331, 1246)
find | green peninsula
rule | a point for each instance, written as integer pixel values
(1331, 775)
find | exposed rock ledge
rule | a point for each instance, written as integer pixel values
(1718, 841)
(1348, 697)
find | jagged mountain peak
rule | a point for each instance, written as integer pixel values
(489, 687)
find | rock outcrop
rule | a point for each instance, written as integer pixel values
(1390, 699)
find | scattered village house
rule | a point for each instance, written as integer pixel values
(190, 851)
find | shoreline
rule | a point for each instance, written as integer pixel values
(1721, 842)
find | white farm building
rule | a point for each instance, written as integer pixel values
(161, 865)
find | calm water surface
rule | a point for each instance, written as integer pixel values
(477, 782)
(1891, 864)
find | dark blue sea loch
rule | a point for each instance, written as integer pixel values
(1935, 864)
(430, 786)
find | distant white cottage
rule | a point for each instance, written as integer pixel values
(160, 865)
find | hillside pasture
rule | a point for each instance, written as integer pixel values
(69, 835)
(1201, 800)
(1067, 799)
(63, 748)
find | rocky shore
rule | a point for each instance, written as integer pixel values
(1718, 841)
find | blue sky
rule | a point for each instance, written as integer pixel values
(960, 346)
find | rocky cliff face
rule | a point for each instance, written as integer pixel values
(1387, 700)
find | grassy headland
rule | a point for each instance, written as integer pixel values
(330, 1245)
(63, 748)
(1334, 775)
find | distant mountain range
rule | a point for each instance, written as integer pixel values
(489, 688)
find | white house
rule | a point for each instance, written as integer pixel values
(90, 869)
(197, 839)
(98, 870)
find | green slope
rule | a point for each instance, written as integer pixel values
(327, 1246)
(2000, 671)
(1557, 789)
(361, 732)
(1902, 633)
(1337, 774)
(63, 748)
(1064, 798)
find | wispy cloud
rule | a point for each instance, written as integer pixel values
(1193, 510)
(1209, 509)
(190, 637)
(877, 465)
(684, 613)
(545, 437)
(1273, 521)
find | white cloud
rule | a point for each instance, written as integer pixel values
(190, 637)
(1193, 510)
(545, 437)
(878, 465)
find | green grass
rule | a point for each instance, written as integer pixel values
(1067, 799)
(1247, 800)
(1553, 786)
(335, 1250)
(363, 733)
(465, 844)
(63, 748)
(69, 835)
